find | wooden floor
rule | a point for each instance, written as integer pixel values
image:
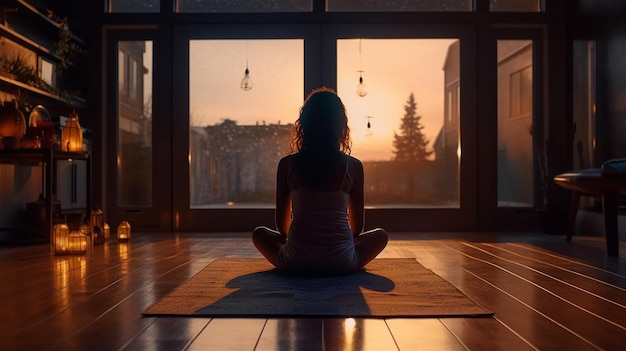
(547, 295)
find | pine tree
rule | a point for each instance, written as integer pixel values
(410, 144)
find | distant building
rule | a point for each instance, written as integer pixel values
(397, 182)
(233, 164)
(515, 123)
(135, 127)
(447, 143)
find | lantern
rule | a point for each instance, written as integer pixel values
(106, 231)
(76, 242)
(72, 135)
(65, 241)
(123, 231)
(60, 233)
(97, 226)
(12, 120)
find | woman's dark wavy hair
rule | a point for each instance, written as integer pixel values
(323, 124)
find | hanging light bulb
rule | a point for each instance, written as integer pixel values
(361, 88)
(369, 125)
(246, 82)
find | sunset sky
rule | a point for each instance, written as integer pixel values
(393, 69)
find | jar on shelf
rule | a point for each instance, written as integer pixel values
(12, 124)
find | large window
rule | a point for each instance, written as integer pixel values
(244, 96)
(134, 120)
(444, 101)
(399, 6)
(244, 6)
(515, 5)
(251, 6)
(132, 6)
(396, 92)
(515, 123)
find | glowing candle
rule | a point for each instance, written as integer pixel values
(60, 233)
(123, 231)
(72, 135)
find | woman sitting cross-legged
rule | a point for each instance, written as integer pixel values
(319, 198)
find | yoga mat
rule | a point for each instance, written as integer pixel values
(251, 287)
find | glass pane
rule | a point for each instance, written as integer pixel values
(405, 130)
(244, 6)
(515, 123)
(400, 5)
(134, 159)
(584, 100)
(136, 6)
(244, 96)
(515, 5)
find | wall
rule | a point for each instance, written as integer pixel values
(604, 24)
(616, 92)
(20, 184)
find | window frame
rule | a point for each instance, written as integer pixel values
(480, 23)
(226, 218)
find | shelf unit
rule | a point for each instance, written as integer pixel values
(47, 159)
(29, 31)
(41, 96)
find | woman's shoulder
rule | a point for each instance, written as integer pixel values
(353, 159)
(286, 160)
(354, 162)
(284, 165)
(355, 169)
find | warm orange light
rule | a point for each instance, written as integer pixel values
(76, 242)
(106, 231)
(122, 250)
(123, 231)
(65, 241)
(72, 135)
(60, 233)
(349, 329)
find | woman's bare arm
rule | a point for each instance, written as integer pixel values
(356, 207)
(283, 200)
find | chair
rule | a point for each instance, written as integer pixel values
(607, 182)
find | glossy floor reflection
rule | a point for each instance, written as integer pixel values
(547, 294)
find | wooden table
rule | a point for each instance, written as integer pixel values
(592, 182)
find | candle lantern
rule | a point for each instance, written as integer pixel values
(97, 226)
(72, 135)
(60, 234)
(123, 231)
(66, 241)
(106, 231)
(12, 120)
(76, 242)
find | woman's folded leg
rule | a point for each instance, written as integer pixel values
(369, 244)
